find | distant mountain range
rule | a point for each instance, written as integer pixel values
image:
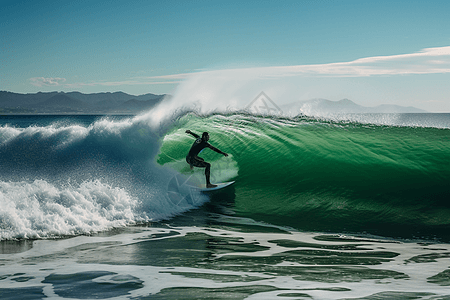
(76, 102)
(122, 103)
(323, 107)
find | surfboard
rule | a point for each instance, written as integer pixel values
(218, 187)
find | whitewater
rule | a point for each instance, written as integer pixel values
(325, 207)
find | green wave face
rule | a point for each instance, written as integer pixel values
(326, 176)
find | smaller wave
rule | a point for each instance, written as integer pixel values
(67, 179)
(41, 210)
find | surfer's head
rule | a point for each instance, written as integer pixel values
(205, 136)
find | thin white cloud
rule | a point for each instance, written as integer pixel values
(167, 77)
(426, 61)
(427, 52)
(150, 80)
(117, 83)
(50, 81)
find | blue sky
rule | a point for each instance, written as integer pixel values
(371, 52)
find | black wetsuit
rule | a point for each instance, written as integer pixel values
(192, 157)
(194, 161)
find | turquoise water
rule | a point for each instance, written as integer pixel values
(104, 208)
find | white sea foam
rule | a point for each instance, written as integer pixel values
(41, 209)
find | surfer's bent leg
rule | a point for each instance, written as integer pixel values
(208, 173)
(201, 163)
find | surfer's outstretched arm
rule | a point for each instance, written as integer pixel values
(193, 134)
(217, 150)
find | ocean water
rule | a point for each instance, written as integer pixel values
(350, 207)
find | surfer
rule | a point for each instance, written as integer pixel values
(194, 161)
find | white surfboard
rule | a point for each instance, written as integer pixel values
(218, 187)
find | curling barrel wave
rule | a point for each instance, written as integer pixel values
(319, 175)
